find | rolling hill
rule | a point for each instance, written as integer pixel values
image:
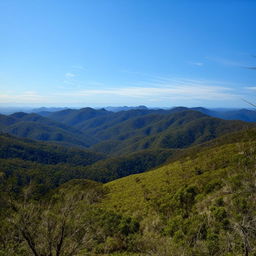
(129, 131)
(73, 117)
(174, 130)
(45, 153)
(34, 126)
(194, 206)
(192, 201)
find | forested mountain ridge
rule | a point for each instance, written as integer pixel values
(175, 130)
(73, 117)
(196, 204)
(121, 132)
(22, 158)
(247, 115)
(41, 128)
(135, 141)
(45, 153)
(175, 182)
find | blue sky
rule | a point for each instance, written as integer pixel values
(99, 53)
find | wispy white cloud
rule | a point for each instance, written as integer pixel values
(199, 64)
(183, 89)
(26, 96)
(79, 67)
(227, 62)
(70, 79)
(161, 90)
(232, 63)
(69, 75)
(181, 92)
(252, 88)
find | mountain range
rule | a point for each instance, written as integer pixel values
(120, 132)
(132, 182)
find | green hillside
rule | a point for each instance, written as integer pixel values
(45, 153)
(197, 205)
(153, 131)
(73, 117)
(192, 193)
(116, 167)
(200, 169)
(201, 203)
(36, 127)
(123, 132)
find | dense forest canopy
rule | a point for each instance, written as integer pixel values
(156, 182)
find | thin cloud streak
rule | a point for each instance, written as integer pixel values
(69, 75)
(159, 90)
(226, 62)
(78, 67)
(180, 92)
(199, 64)
(232, 63)
(252, 88)
(25, 97)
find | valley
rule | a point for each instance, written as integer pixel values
(143, 182)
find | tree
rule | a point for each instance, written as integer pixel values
(61, 225)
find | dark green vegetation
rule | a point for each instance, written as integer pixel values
(122, 132)
(204, 205)
(52, 164)
(34, 126)
(192, 193)
(25, 149)
(134, 130)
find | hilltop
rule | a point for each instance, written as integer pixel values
(190, 191)
(123, 132)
